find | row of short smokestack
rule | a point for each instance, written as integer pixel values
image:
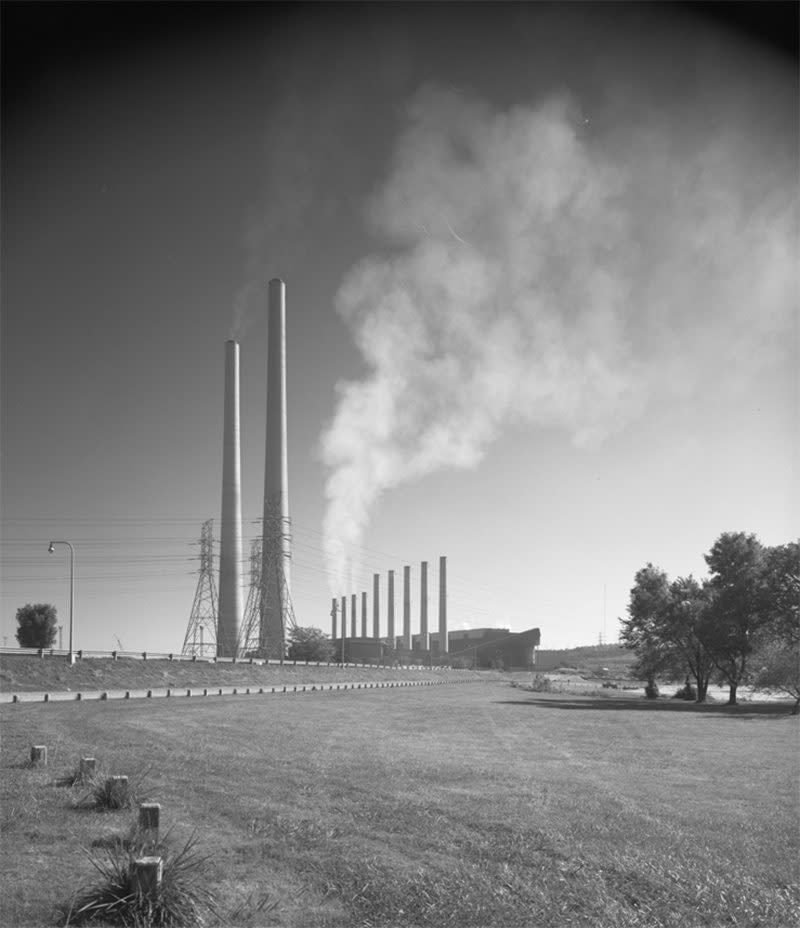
(407, 638)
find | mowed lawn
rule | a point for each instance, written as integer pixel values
(470, 805)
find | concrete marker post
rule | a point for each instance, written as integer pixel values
(38, 755)
(146, 875)
(87, 768)
(119, 793)
(149, 820)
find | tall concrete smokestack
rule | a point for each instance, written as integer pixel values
(443, 644)
(390, 609)
(344, 626)
(276, 547)
(364, 614)
(376, 607)
(334, 610)
(230, 552)
(425, 641)
(407, 608)
(354, 617)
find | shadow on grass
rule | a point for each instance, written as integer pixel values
(750, 710)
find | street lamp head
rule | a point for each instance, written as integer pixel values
(51, 549)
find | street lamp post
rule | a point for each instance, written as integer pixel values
(51, 549)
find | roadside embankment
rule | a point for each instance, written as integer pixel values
(29, 673)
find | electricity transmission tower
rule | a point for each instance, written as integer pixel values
(250, 634)
(201, 632)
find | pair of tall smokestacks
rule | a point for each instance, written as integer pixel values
(276, 542)
(390, 631)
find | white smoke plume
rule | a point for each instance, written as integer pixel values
(546, 271)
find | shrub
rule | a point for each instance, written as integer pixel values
(542, 684)
(687, 691)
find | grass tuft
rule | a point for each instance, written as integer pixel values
(76, 777)
(107, 795)
(116, 900)
(253, 909)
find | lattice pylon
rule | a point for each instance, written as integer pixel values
(250, 636)
(268, 647)
(201, 632)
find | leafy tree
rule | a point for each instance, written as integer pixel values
(309, 644)
(684, 627)
(777, 660)
(777, 669)
(38, 625)
(782, 585)
(739, 608)
(642, 631)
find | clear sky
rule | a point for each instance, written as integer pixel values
(542, 292)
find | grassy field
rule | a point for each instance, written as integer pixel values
(479, 805)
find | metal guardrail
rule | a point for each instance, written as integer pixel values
(183, 692)
(195, 659)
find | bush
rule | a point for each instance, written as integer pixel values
(687, 691)
(542, 684)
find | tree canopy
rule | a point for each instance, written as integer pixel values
(309, 644)
(37, 625)
(749, 604)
